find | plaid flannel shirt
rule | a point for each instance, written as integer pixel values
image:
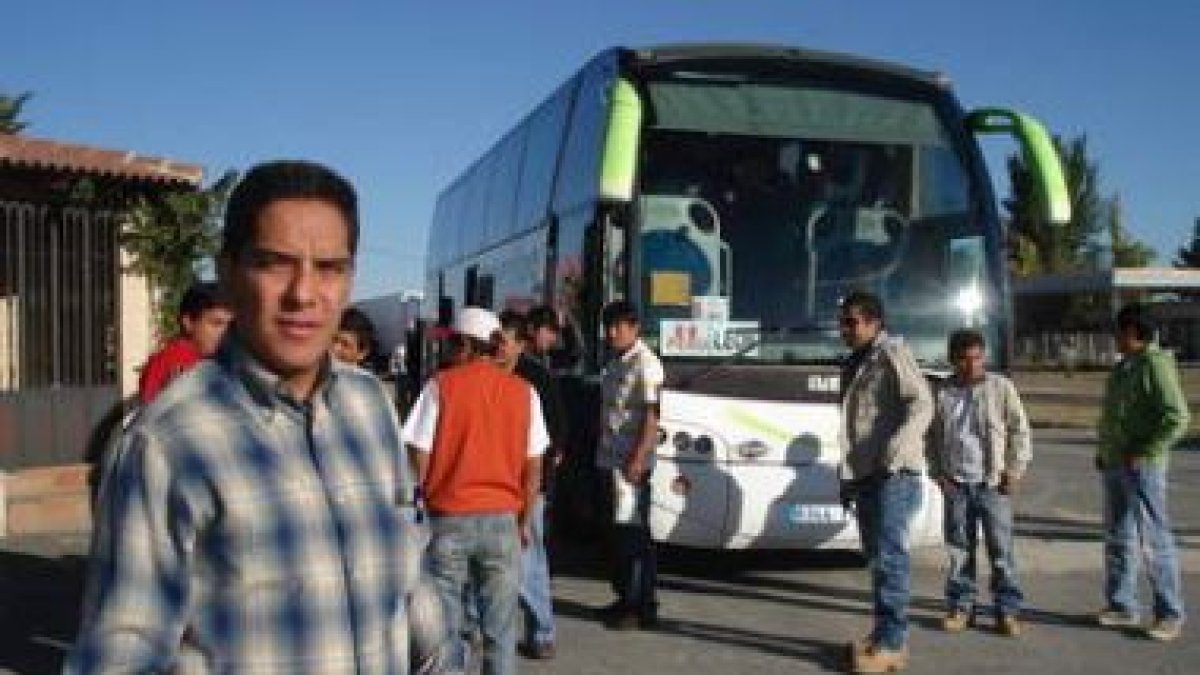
(240, 530)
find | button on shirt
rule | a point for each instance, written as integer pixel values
(632, 382)
(240, 530)
(960, 405)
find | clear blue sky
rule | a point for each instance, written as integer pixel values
(400, 96)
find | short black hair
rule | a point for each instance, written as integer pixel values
(1137, 317)
(514, 321)
(963, 339)
(619, 311)
(542, 316)
(269, 182)
(355, 321)
(199, 298)
(868, 304)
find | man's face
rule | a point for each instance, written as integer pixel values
(508, 348)
(621, 335)
(858, 330)
(544, 339)
(1127, 340)
(347, 349)
(288, 287)
(206, 330)
(969, 364)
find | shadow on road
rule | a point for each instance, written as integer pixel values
(39, 609)
(826, 655)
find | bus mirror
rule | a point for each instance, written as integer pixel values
(445, 311)
(619, 163)
(1039, 154)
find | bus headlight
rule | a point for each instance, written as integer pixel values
(682, 441)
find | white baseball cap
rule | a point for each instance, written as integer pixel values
(476, 322)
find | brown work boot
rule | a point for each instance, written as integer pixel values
(1165, 630)
(956, 621)
(875, 659)
(1009, 626)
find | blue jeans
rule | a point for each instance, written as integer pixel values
(885, 509)
(482, 551)
(535, 580)
(1135, 518)
(967, 506)
(635, 579)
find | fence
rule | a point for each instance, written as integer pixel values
(1068, 349)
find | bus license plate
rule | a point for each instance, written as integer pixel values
(815, 514)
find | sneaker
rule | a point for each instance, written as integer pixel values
(956, 621)
(875, 659)
(1164, 630)
(1010, 626)
(1115, 618)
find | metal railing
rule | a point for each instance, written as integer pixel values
(59, 275)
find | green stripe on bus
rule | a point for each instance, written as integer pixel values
(752, 422)
(621, 143)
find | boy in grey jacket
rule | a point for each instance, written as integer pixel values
(979, 449)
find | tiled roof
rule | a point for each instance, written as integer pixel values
(55, 156)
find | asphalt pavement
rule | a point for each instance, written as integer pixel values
(771, 612)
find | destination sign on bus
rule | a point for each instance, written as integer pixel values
(700, 337)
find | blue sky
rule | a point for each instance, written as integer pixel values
(400, 96)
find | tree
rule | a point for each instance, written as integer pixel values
(1039, 247)
(10, 112)
(168, 235)
(1126, 251)
(1189, 256)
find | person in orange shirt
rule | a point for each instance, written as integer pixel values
(203, 318)
(477, 436)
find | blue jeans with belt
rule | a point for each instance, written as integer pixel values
(967, 506)
(1136, 520)
(885, 508)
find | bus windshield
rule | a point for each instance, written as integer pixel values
(762, 205)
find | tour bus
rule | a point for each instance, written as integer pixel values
(734, 193)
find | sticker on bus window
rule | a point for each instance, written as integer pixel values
(692, 337)
(710, 308)
(670, 288)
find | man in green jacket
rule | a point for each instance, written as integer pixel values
(1144, 413)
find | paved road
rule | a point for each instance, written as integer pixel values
(770, 613)
(777, 613)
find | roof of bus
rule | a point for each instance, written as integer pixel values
(672, 54)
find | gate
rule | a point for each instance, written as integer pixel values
(59, 323)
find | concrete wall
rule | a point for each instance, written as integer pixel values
(138, 340)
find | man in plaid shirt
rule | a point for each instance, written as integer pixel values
(255, 518)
